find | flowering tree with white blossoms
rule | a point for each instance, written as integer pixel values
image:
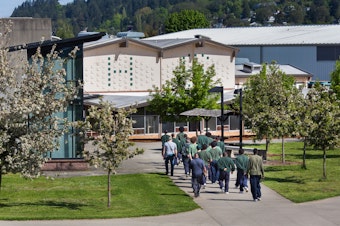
(32, 96)
(113, 128)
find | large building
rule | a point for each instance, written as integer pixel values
(124, 70)
(29, 34)
(312, 48)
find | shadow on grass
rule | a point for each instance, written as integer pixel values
(66, 205)
(314, 156)
(286, 180)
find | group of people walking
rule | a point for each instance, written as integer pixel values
(206, 159)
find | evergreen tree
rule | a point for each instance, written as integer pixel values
(185, 20)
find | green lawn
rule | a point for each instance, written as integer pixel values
(297, 184)
(137, 195)
(86, 197)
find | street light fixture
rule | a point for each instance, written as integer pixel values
(239, 91)
(219, 89)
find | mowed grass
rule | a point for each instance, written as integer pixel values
(297, 184)
(133, 195)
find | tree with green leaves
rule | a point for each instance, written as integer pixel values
(325, 115)
(269, 103)
(185, 20)
(188, 89)
(34, 96)
(335, 79)
(113, 128)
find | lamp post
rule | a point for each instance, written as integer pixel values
(239, 91)
(219, 89)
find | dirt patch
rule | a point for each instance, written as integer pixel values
(270, 162)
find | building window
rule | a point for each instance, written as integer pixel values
(328, 53)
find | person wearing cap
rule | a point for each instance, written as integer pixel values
(169, 153)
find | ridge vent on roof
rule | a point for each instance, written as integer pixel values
(202, 36)
(251, 67)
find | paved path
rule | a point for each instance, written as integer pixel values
(216, 208)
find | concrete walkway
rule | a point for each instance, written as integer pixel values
(216, 208)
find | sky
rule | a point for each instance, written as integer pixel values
(7, 6)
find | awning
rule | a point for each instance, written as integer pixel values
(202, 112)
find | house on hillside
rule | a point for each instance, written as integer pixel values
(124, 70)
(312, 48)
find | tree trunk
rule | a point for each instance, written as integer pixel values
(304, 154)
(0, 178)
(267, 145)
(283, 150)
(324, 164)
(109, 188)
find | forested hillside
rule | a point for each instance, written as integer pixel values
(149, 16)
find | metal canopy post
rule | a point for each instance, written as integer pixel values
(239, 91)
(219, 89)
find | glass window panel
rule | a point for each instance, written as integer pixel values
(152, 122)
(139, 121)
(212, 124)
(169, 126)
(234, 122)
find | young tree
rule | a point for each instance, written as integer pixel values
(325, 116)
(304, 124)
(33, 96)
(269, 102)
(177, 96)
(112, 143)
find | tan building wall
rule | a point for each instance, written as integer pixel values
(117, 67)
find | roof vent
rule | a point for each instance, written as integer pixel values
(251, 67)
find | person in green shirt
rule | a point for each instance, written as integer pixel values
(164, 138)
(192, 147)
(179, 152)
(216, 154)
(241, 162)
(220, 143)
(226, 166)
(182, 138)
(256, 172)
(206, 157)
(204, 139)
